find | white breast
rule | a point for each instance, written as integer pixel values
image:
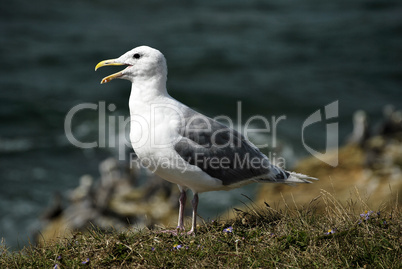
(154, 131)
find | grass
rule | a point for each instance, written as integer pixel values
(256, 238)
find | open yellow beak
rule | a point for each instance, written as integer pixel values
(107, 63)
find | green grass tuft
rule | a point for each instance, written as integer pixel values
(267, 238)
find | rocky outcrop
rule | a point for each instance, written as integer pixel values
(121, 199)
(369, 170)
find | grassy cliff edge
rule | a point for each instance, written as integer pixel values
(257, 237)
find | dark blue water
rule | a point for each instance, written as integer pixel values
(279, 58)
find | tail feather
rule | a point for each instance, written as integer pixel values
(298, 178)
(277, 175)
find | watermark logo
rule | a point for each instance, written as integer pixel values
(106, 128)
(154, 130)
(330, 155)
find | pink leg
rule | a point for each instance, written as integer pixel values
(194, 202)
(182, 203)
(180, 224)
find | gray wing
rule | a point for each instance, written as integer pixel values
(221, 152)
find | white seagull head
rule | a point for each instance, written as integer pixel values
(143, 63)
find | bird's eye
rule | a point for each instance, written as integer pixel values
(137, 56)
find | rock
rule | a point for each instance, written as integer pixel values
(375, 182)
(116, 201)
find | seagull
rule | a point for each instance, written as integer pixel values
(183, 146)
(361, 128)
